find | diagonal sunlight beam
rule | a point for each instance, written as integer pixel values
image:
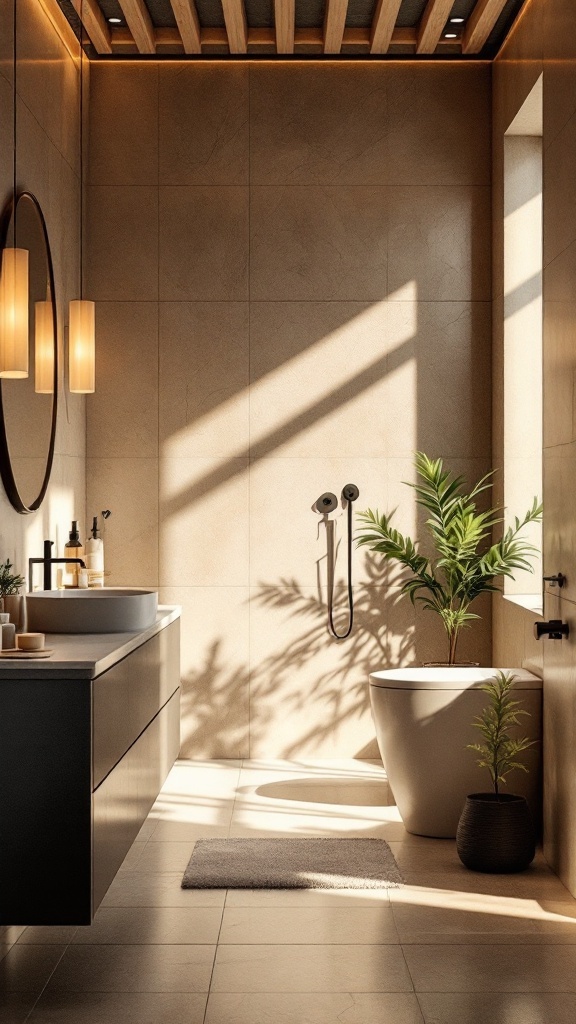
(352, 387)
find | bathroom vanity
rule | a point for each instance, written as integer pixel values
(87, 739)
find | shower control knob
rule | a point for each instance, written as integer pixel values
(350, 492)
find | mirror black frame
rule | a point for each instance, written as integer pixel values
(6, 471)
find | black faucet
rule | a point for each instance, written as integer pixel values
(48, 562)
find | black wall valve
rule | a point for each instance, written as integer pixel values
(558, 580)
(554, 629)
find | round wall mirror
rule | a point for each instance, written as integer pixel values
(28, 403)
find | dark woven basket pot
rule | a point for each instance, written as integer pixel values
(496, 833)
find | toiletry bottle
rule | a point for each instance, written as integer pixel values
(7, 633)
(72, 549)
(95, 556)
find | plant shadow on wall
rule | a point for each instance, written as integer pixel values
(310, 677)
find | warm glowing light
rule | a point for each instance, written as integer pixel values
(44, 349)
(82, 347)
(14, 313)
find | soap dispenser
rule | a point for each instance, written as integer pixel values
(95, 556)
(72, 549)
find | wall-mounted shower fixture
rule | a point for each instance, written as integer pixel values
(558, 580)
(554, 629)
(326, 503)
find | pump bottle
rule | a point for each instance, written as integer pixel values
(95, 556)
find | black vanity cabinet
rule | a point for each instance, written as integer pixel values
(82, 760)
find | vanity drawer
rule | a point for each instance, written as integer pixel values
(123, 800)
(128, 696)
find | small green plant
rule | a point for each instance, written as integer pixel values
(499, 752)
(9, 582)
(465, 563)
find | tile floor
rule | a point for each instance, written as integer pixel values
(450, 947)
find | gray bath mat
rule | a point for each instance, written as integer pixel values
(291, 864)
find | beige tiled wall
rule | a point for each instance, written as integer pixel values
(292, 267)
(544, 42)
(45, 87)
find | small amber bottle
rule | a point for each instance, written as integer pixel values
(72, 549)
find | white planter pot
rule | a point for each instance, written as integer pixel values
(423, 719)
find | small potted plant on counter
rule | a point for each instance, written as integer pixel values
(496, 831)
(423, 714)
(11, 601)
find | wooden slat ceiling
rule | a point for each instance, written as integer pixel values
(453, 29)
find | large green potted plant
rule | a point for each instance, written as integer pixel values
(465, 563)
(495, 831)
(422, 715)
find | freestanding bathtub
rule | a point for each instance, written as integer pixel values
(423, 719)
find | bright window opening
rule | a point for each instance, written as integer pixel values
(523, 332)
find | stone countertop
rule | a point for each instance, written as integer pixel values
(85, 655)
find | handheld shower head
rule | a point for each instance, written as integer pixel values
(327, 502)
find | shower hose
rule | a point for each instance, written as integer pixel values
(333, 630)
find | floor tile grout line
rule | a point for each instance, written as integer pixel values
(47, 982)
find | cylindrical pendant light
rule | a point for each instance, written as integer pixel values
(82, 347)
(14, 313)
(44, 349)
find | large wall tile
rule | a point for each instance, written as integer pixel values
(298, 671)
(204, 516)
(560, 193)
(319, 376)
(453, 359)
(440, 242)
(318, 124)
(7, 134)
(203, 384)
(287, 539)
(203, 243)
(559, 99)
(48, 79)
(122, 242)
(123, 138)
(203, 124)
(559, 373)
(319, 243)
(214, 642)
(7, 41)
(129, 488)
(433, 140)
(123, 413)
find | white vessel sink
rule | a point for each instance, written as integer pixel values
(106, 610)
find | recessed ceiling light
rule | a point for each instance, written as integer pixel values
(450, 35)
(115, 21)
(456, 21)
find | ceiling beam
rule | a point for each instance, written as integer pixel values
(93, 21)
(432, 22)
(334, 25)
(284, 21)
(236, 25)
(188, 24)
(304, 38)
(383, 24)
(140, 24)
(480, 24)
